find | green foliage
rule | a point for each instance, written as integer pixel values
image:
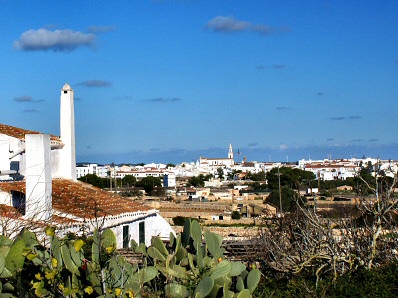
(288, 199)
(149, 183)
(95, 180)
(199, 181)
(129, 181)
(179, 220)
(377, 282)
(236, 215)
(191, 265)
(256, 176)
(290, 177)
(220, 173)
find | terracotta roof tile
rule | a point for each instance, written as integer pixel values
(20, 133)
(81, 199)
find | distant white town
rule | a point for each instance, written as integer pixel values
(326, 169)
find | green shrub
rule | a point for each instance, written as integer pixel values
(236, 215)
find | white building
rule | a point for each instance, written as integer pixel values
(40, 188)
(93, 169)
(215, 163)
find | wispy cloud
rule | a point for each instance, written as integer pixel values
(227, 24)
(283, 147)
(123, 97)
(356, 117)
(261, 67)
(279, 66)
(282, 109)
(56, 40)
(163, 99)
(373, 140)
(30, 111)
(273, 66)
(95, 83)
(26, 98)
(101, 29)
(337, 118)
(254, 144)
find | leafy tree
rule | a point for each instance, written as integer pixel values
(129, 180)
(236, 215)
(199, 181)
(196, 181)
(149, 183)
(220, 173)
(231, 175)
(256, 176)
(290, 177)
(95, 180)
(170, 165)
(288, 199)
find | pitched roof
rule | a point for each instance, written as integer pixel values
(20, 133)
(81, 199)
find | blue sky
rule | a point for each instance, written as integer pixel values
(172, 80)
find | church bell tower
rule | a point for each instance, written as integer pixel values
(230, 152)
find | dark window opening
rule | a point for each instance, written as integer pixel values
(126, 236)
(14, 166)
(65, 92)
(142, 232)
(19, 201)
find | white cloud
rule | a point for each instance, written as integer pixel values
(283, 147)
(227, 24)
(230, 24)
(57, 40)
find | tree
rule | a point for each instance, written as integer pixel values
(220, 173)
(129, 180)
(149, 183)
(95, 180)
(290, 177)
(256, 176)
(288, 199)
(199, 181)
(196, 181)
(232, 175)
(236, 215)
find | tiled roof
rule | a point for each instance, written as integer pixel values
(81, 199)
(20, 133)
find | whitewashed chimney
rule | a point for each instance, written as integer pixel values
(67, 129)
(38, 177)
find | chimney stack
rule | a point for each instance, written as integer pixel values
(67, 129)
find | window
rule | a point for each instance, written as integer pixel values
(19, 201)
(126, 237)
(142, 232)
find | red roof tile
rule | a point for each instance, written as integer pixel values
(81, 199)
(20, 133)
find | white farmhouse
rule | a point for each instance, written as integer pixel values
(40, 188)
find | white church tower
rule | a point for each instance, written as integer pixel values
(230, 152)
(67, 130)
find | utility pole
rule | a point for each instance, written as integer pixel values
(280, 192)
